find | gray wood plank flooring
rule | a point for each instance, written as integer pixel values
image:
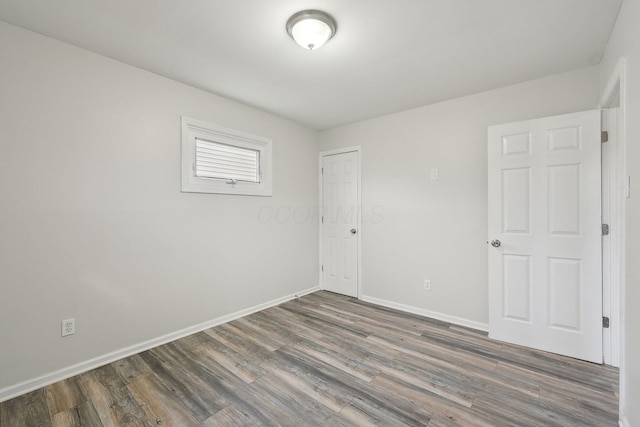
(329, 360)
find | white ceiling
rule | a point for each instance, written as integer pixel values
(387, 56)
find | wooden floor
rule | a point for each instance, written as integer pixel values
(329, 360)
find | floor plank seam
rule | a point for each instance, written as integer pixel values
(329, 360)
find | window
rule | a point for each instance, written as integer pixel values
(221, 160)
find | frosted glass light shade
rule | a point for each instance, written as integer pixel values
(311, 28)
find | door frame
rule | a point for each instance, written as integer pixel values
(358, 150)
(615, 92)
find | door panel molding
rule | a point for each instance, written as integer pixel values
(545, 278)
(358, 220)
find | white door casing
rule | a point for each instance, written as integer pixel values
(612, 209)
(545, 278)
(612, 102)
(340, 217)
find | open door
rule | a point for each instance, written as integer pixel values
(545, 264)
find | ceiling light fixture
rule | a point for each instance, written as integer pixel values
(311, 28)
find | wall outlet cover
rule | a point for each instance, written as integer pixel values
(68, 327)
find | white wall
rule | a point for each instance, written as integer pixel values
(625, 42)
(92, 221)
(415, 228)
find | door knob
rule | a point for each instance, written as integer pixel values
(496, 243)
(353, 231)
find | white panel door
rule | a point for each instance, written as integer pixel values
(340, 223)
(545, 271)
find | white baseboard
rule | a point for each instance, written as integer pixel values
(59, 375)
(624, 422)
(428, 313)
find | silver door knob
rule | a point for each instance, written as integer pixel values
(496, 243)
(353, 231)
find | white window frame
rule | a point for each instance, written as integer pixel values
(193, 129)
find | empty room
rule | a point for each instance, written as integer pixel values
(319, 213)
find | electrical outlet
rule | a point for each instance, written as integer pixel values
(68, 327)
(427, 285)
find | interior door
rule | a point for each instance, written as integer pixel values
(340, 223)
(545, 271)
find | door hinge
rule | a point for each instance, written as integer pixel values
(604, 136)
(605, 322)
(322, 267)
(605, 229)
(323, 219)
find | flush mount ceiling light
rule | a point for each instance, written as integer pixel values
(311, 28)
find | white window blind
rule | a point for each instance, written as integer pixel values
(230, 163)
(216, 159)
